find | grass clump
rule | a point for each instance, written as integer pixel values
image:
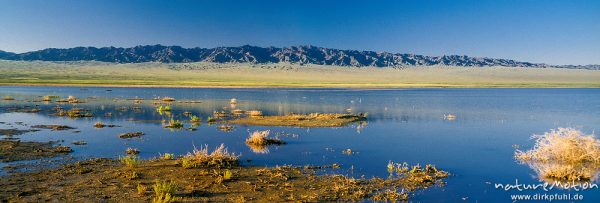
(163, 191)
(227, 175)
(254, 113)
(173, 124)
(211, 120)
(225, 128)
(76, 113)
(141, 189)
(258, 141)
(195, 119)
(391, 195)
(130, 161)
(70, 99)
(162, 108)
(261, 138)
(49, 97)
(99, 124)
(167, 156)
(220, 157)
(563, 154)
(132, 151)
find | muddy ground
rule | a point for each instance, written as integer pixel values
(102, 180)
(301, 120)
(15, 150)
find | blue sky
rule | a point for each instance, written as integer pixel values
(555, 32)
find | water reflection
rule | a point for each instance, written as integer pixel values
(403, 125)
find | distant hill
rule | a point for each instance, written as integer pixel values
(4, 54)
(253, 54)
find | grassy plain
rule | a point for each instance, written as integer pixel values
(202, 74)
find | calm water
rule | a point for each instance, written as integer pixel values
(404, 125)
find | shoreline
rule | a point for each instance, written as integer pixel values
(358, 87)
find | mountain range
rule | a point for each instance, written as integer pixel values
(253, 54)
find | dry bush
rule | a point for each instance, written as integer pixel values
(220, 157)
(258, 141)
(261, 138)
(563, 154)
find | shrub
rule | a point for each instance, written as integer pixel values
(141, 189)
(564, 154)
(261, 138)
(227, 175)
(168, 156)
(162, 108)
(99, 124)
(132, 151)
(129, 161)
(220, 157)
(164, 191)
(174, 124)
(211, 120)
(254, 113)
(195, 119)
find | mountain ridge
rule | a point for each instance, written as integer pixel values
(304, 54)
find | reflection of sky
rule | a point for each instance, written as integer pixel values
(403, 125)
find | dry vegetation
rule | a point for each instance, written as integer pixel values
(258, 141)
(161, 180)
(219, 157)
(286, 75)
(301, 120)
(564, 154)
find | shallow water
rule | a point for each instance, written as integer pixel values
(404, 125)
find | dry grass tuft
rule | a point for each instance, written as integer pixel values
(563, 154)
(255, 113)
(130, 161)
(164, 191)
(211, 120)
(258, 141)
(162, 109)
(141, 189)
(167, 156)
(99, 124)
(195, 119)
(177, 124)
(261, 138)
(132, 151)
(220, 157)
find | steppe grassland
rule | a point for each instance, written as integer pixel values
(202, 74)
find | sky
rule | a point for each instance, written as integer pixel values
(541, 31)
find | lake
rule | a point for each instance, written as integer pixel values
(403, 125)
